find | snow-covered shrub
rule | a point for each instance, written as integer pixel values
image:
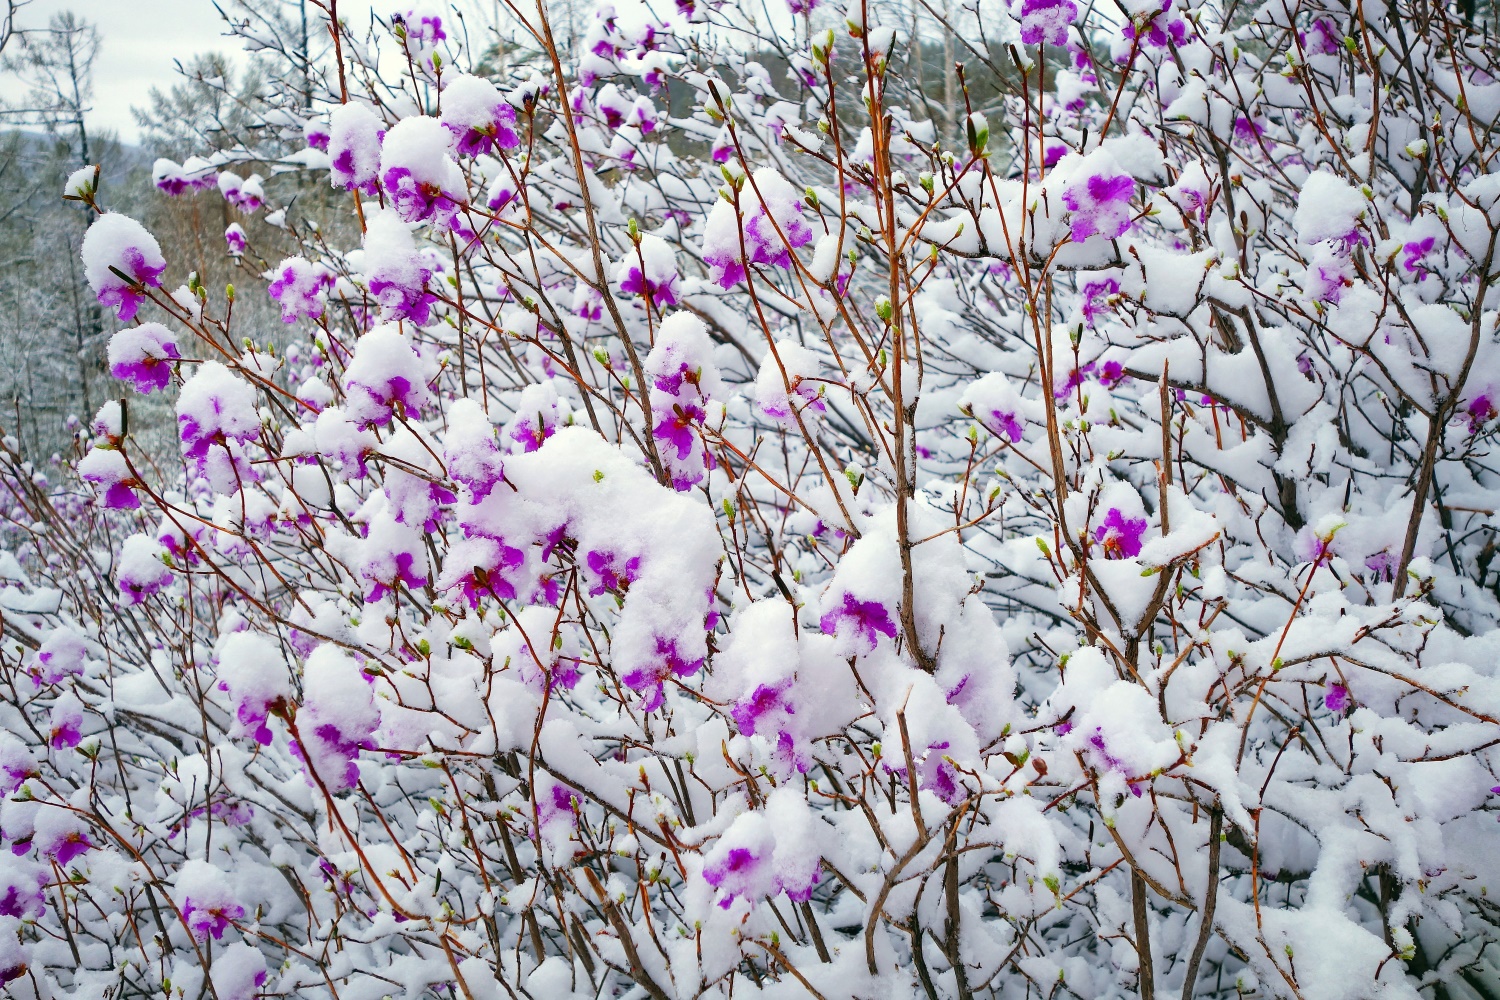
(804, 542)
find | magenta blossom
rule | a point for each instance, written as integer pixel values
(651, 678)
(1336, 698)
(234, 239)
(659, 293)
(1481, 411)
(1121, 535)
(611, 573)
(1046, 21)
(205, 920)
(121, 260)
(1416, 251)
(302, 288)
(1100, 204)
(676, 428)
(866, 619)
(143, 356)
(1006, 424)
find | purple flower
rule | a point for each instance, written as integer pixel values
(482, 138)
(1383, 565)
(1097, 296)
(1076, 378)
(610, 575)
(1247, 130)
(676, 429)
(1481, 411)
(651, 677)
(234, 239)
(143, 356)
(418, 201)
(1004, 424)
(1100, 204)
(1416, 251)
(72, 844)
(801, 6)
(1121, 535)
(658, 293)
(1336, 698)
(116, 246)
(867, 619)
(765, 701)
(734, 873)
(302, 288)
(203, 920)
(1111, 374)
(1111, 762)
(1160, 27)
(1046, 21)
(66, 723)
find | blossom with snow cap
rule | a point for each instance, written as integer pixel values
(420, 178)
(396, 272)
(384, 378)
(140, 569)
(863, 622)
(235, 241)
(651, 677)
(301, 287)
(768, 219)
(107, 471)
(1100, 203)
(61, 655)
(121, 260)
(1120, 534)
(216, 415)
(650, 271)
(478, 116)
(206, 900)
(354, 148)
(1046, 21)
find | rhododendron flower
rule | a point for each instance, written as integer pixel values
(1046, 21)
(1416, 251)
(301, 287)
(143, 356)
(120, 260)
(1120, 535)
(864, 621)
(650, 272)
(1336, 698)
(610, 572)
(61, 655)
(1005, 424)
(234, 239)
(141, 571)
(397, 274)
(210, 920)
(24, 897)
(168, 178)
(1159, 27)
(315, 134)
(384, 378)
(651, 678)
(66, 722)
(354, 148)
(108, 472)
(761, 227)
(1481, 410)
(1111, 374)
(1110, 761)
(676, 429)
(478, 116)
(421, 180)
(1100, 205)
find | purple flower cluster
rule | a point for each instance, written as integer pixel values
(301, 287)
(1120, 535)
(1100, 204)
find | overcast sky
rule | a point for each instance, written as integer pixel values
(138, 41)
